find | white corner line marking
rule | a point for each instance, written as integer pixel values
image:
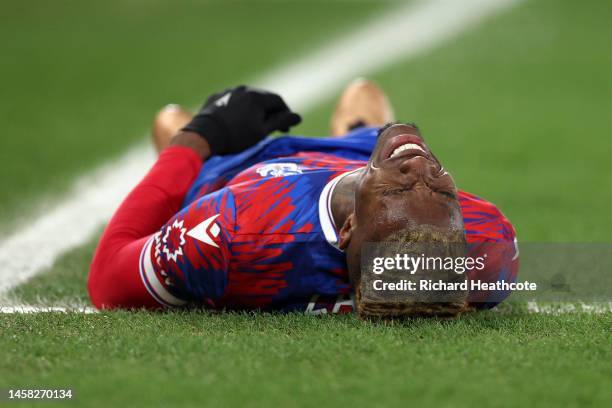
(402, 32)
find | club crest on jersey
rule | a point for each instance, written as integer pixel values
(173, 240)
(279, 170)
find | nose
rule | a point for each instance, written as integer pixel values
(418, 166)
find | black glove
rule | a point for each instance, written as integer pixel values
(237, 118)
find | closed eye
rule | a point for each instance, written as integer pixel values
(396, 191)
(447, 194)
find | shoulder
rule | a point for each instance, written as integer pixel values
(216, 208)
(483, 220)
(305, 164)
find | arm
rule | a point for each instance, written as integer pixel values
(114, 279)
(228, 122)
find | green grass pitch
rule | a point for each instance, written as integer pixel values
(517, 108)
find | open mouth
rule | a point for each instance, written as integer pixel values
(404, 146)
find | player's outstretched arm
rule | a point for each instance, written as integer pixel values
(114, 277)
(229, 122)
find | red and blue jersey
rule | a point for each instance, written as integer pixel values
(256, 231)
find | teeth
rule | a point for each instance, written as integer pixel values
(406, 146)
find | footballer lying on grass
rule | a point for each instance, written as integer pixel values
(230, 219)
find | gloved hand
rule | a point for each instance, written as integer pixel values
(237, 118)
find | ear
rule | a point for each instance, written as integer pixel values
(346, 232)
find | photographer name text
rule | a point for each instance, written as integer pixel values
(431, 285)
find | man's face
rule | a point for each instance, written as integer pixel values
(404, 185)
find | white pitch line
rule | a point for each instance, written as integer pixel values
(27, 309)
(402, 32)
(531, 307)
(568, 307)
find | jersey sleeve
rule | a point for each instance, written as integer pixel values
(492, 238)
(114, 279)
(187, 259)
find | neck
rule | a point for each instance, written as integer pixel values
(343, 198)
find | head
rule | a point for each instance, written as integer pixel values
(403, 188)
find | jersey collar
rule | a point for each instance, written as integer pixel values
(325, 214)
